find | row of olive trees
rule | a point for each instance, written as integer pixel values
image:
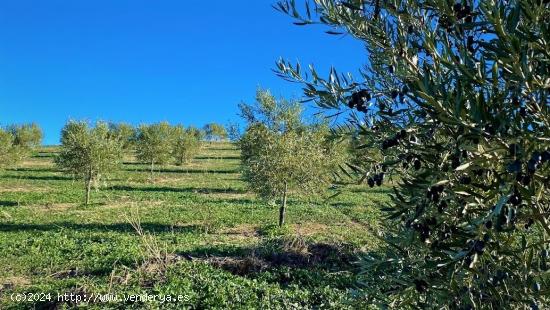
(89, 152)
(17, 142)
(282, 154)
(454, 100)
(160, 143)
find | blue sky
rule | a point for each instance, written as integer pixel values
(137, 61)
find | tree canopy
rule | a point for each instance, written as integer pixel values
(455, 97)
(88, 152)
(281, 154)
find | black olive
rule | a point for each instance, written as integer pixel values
(532, 165)
(468, 261)
(378, 179)
(455, 163)
(515, 166)
(522, 112)
(421, 285)
(470, 44)
(479, 247)
(466, 180)
(489, 224)
(370, 181)
(536, 156)
(394, 94)
(515, 199)
(457, 7)
(417, 164)
(529, 223)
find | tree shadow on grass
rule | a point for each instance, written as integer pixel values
(275, 257)
(218, 157)
(37, 178)
(6, 203)
(183, 171)
(96, 227)
(24, 169)
(177, 189)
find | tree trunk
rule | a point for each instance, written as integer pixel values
(282, 209)
(88, 187)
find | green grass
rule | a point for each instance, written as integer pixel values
(219, 243)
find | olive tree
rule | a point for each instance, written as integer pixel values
(186, 144)
(8, 151)
(154, 144)
(125, 133)
(233, 132)
(215, 132)
(88, 152)
(28, 136)
(455, 97)
(281, 154)
(17, 142)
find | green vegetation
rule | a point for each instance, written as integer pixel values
(154, 144)
(282, 154)
(215, 132)
(186, 144)
(17, 142)
(453, 102)
(215, 243)
(88, 153)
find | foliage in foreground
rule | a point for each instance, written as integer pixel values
(281, 154)
(455, 95)
(17, 142)
(88, 152)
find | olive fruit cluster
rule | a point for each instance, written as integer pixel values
(434, 193)
(417, 164)
(376, 179)
(533, 164)
(393, 141)
(424, 229)
(461, 12)
(359, 100)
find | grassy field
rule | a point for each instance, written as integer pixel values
(193, 231)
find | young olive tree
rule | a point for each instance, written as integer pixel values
(215, 132)
(26, 138)
(281, 154)
(8, 151)
(125, 133)
(154, 144)
(187, 144)
(88, 152)
(233, 132)
(455, 96)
